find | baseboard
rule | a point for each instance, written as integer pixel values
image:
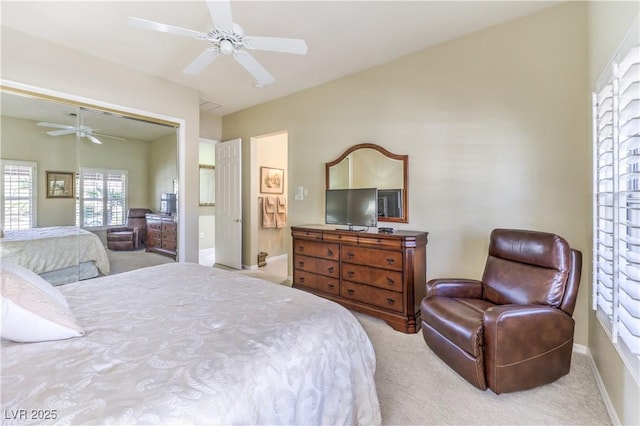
(268, 259)
(603, 391)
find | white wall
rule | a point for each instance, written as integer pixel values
(37, 62)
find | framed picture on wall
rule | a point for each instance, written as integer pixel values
(271, 180)
(60, 184)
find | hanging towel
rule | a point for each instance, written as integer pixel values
(269, 212)
(281, 212)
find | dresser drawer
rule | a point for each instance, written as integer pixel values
(153, 242)
(154, 224)
(330, 268)
(153, 233)
(168, 244)
(377, 241)
(386, 259)
(385, 299)
(316, 249)
(168, 227)
(383, 278)
(316, 235)
(169, 236)
(316, 282)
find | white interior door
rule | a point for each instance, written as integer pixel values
(229, 204)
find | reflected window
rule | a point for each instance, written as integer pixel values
(19, 194)
(102, 197)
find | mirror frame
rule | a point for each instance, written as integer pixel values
(405, 181)
(207, 185)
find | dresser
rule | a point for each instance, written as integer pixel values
(162, 234)
(380, 274)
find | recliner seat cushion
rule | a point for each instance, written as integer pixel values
(459, 320)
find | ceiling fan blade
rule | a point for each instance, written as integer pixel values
(57, 126)
(220, 11)
(201, 62)
(61, 132)
(249, 63)
(157, 26)
(92, 139)
(276, 44)
(102, 135)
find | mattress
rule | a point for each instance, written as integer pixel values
(182, 343)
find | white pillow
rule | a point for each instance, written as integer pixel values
(33, 278)
(30, 314)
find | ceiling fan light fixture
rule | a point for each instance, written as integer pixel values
(226, 47)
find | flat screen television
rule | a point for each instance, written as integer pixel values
(168, 203)
(352, 207)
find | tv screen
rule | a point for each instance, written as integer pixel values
(168, 203)
(352, 207)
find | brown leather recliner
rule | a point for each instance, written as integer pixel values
(512, 330)
(131, 236)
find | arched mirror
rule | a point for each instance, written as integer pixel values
(367, 165)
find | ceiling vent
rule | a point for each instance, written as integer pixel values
(208, 106)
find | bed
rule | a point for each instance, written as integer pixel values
(60, 254)
(181, 343)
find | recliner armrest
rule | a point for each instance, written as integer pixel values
(529, 330)
(454, 287)
(119, 229)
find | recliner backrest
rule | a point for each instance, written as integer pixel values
(526, 267)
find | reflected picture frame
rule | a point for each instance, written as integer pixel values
(60, 184)
(271, 180)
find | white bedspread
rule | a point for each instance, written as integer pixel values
(49, 249)
(185, 344)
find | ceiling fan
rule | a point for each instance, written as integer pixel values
(80, 131)
(228, 38)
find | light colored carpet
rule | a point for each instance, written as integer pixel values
(416, 388)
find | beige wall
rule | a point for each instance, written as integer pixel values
(39, 63)
(609, 22)
(271, 151)
(24, 140)
(495, 125)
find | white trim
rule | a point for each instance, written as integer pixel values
(615, 420)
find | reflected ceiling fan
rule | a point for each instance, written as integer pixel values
(228, 38)
(80, 131)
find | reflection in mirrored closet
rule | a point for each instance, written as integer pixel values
(85, 178)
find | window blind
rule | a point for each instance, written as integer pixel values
(103, 197)
(18, 194)
(616, 268)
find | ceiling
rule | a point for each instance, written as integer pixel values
(343, 37)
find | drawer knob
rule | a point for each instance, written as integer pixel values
(301, 279)
(391, 261)
(301, 264)
(390, 281)
(350, 255)
(331, 286)
(331, 269)
(350, 291)
(300, 249)
(351, 274)
(390, 301)
(329, 252)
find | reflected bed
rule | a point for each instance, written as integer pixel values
(60, 254)
(181, 343)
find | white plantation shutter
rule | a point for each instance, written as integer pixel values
(102, 197)
(19, 190)
(616, 134)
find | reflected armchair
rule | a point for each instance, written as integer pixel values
(131, 236)
(513, 329)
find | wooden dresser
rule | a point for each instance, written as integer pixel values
(383, 275)
(162, 234)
